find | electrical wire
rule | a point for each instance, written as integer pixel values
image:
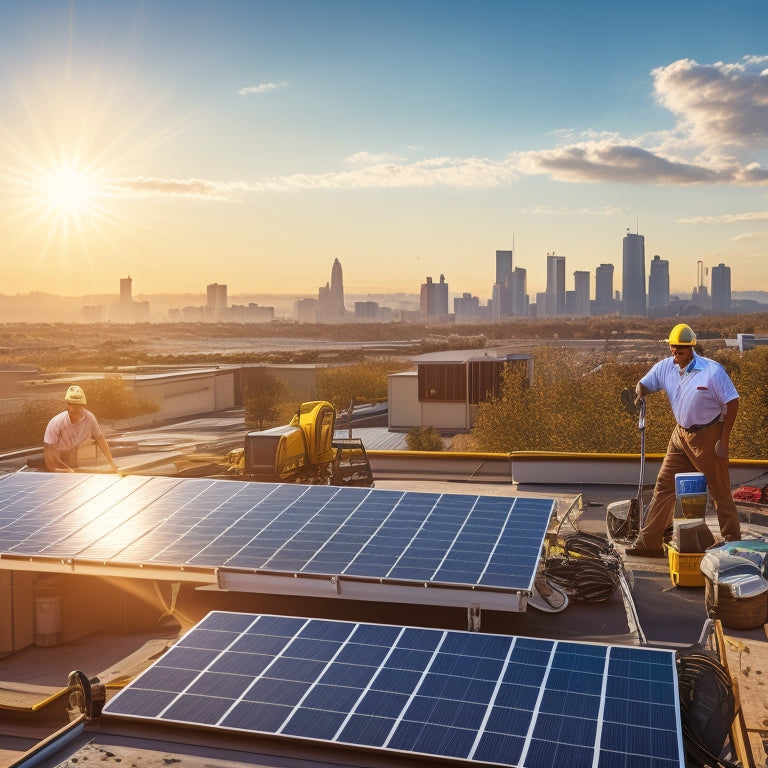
(587, 570)
(706, 701)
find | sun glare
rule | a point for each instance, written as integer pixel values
(69, 191)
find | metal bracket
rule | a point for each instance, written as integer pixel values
(336, 583)
(473, 618)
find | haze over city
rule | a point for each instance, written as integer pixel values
(252, 143)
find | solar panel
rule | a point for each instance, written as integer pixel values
(242, 533)
(475, 697)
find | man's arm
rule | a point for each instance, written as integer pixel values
(731, 410)
(102, 443)
(53, 461)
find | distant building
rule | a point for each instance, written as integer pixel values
(604, 303)
(555, 302)
(216, 300)
(127, 310)
(721, 289)
(658, 286)
(503, 266)
(633, 275)
(434, 298)
(330, 298)
(366, 311)
(581, 293)
(306, 310)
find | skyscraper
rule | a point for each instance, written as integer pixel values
(434, 298)
(581, 290)
(555, 284)
(503, 266)
(633, 275)
(337, 290)
(658, 284)
(721, 288)
(216, 299)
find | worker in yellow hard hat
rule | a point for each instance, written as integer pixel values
(705, 403)
(69, 429)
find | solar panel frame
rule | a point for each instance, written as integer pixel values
(289, 539)
(451, 695)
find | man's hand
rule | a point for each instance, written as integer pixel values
(721, 449)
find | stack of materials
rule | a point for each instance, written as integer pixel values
(736, 576)
(691, 491)
(690, 539)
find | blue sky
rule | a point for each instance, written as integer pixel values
(251, 143)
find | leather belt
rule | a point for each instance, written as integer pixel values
(697, 427)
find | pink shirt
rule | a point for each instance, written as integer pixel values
(62, 434)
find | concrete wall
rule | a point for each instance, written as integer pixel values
(403, 396)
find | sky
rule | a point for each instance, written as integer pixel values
(251, 143)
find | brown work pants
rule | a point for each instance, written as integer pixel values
(691, 452)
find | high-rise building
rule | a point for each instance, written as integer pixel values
(337, 290)
(517, 287)
(126, 290)
(555, 304)
(633, 275)
(604, 288)
(721, 288)
(433, 299)
(658, 285)
(216, 299)
(581, 291)
(503, 266)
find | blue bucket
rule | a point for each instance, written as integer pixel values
(687, 483)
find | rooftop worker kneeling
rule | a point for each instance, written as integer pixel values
(69, 429)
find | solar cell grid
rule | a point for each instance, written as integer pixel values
(444, 694)
(377, 535)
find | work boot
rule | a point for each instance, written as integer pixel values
(638, 549)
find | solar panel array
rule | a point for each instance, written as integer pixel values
(474, 697)
(456, 539)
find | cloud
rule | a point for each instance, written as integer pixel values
(750, 236)
(262, 88)
(721, 104)
(731, 218)
(368, 158)
(548, 210)
(430, 172)
(143, 186)
(720, 110)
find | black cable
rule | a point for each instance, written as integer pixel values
(707, 707)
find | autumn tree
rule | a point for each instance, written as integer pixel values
(364, 382)
(264, 398)
(424, 439)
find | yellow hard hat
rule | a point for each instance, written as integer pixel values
(682, 335)
(75, 395)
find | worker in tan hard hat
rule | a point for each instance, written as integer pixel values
(704, 402)
(69, 429)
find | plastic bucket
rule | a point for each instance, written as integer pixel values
(687, 483)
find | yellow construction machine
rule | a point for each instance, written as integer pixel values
(303, 451)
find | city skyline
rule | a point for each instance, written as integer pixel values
(257, 142)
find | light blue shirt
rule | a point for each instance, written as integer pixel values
(698, 394)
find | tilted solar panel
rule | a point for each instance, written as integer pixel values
(475, 697)
(491, 542)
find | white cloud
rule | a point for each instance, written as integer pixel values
(548, 210)
(750, 236)
(369, 158)
(720, 104)
(730, 218)
(262, 88)
(143, 186)
(720, 109)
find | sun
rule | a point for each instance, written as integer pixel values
(70, 192)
